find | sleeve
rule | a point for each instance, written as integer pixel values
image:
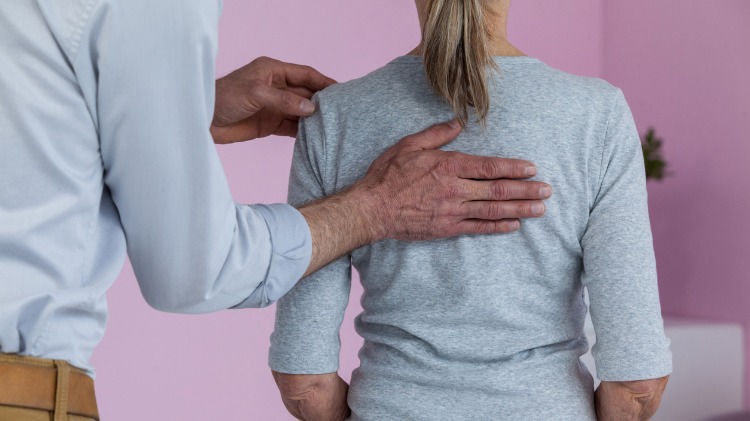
(192, 248)
(619, 264)
(306, 335)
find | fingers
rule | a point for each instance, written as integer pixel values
(255, 127)
(288, 127)
(506, 190)
(301, 91)
(280, 100)
(498, 210)
(489, 168)
(475, 226)
(305, 76)
(431, 138)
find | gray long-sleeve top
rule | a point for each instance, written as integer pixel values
(485, 327)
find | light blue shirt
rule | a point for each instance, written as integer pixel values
(105, 109)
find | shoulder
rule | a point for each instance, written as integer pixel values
(78, 22)
(591, 93)
(581, 84)
(582, 103)
(387, 83)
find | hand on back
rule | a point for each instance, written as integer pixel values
(424, 193)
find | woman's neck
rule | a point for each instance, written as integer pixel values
(501, 48)
(499, 44)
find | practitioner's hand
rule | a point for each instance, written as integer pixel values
(629, 401)
(263, 98)
(425, 193)
(314, 397)
(414, 191)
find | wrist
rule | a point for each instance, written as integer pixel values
(341, 223)
(298, 386)
(371, 210)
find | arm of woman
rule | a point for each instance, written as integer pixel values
(631, 351)
(305, 345)
(304, 354)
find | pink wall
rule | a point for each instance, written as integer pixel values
(156, 366)
(684, 65)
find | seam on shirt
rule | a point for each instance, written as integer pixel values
(40, 339)
(328, 190)
(600, 179)
(77, 32)
(87, 237)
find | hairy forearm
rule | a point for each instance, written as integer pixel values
(629, 401)
(341, 223)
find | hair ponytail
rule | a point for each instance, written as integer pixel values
(456, 55)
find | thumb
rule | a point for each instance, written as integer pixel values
(433, 137)
(282, 101)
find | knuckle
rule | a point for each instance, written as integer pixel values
(500, 191)
(496, 211)
(262, 60)
(432, 131)
(488, 227)
(449, 164)
(408, 142)
(452, 191)
(506, 227)
(288, 100)
(498, 227)
(488, 168)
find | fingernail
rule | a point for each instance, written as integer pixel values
(537, 208)
(545, 192)
(513, 226)
(530, 171)
(306, 107)
(454, 123)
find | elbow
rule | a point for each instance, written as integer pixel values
(195, 294)
(183, 295)
(168, 302)
(165, 304)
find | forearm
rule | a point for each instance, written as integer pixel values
(339, 224)
(629, 401)
(314, 397)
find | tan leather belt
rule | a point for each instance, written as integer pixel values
(38, 383)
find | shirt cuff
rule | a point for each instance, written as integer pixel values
(643, 365)
(291, 245)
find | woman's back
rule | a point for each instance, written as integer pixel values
(484, 327)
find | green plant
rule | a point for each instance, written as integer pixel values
(656, 166)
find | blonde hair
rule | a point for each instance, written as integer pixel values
(456, 53)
